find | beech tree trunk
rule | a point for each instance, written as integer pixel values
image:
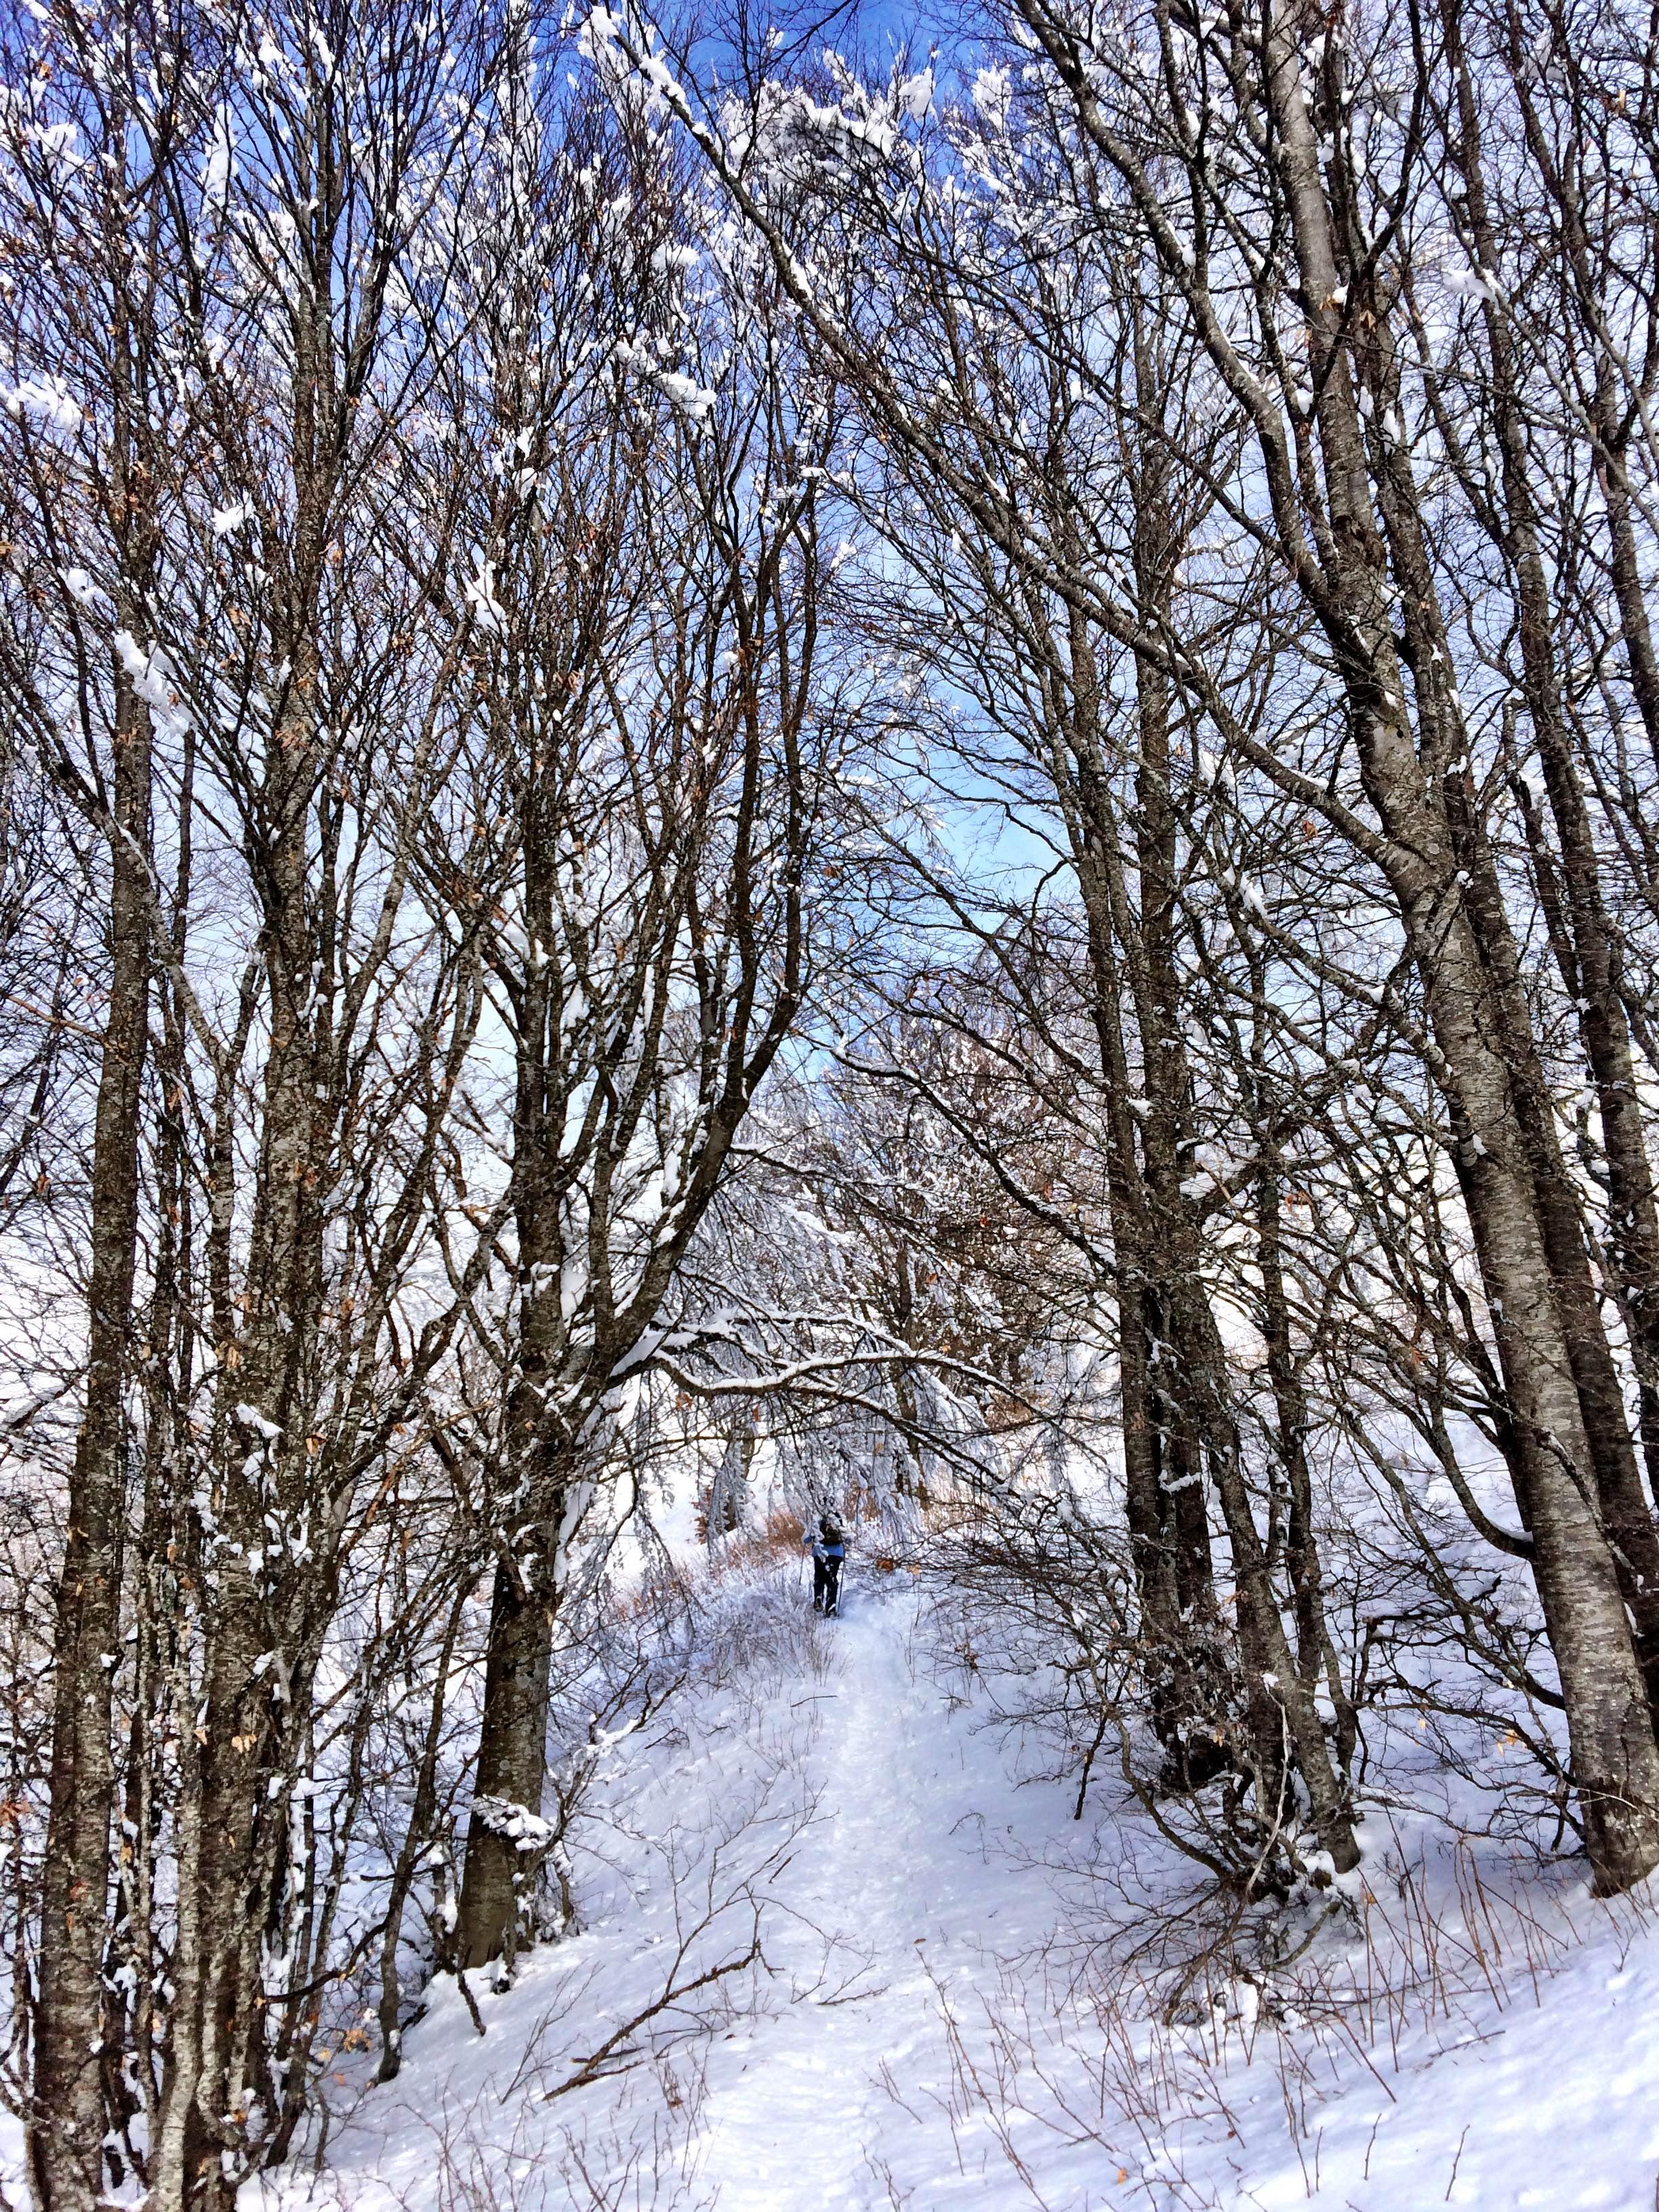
(259, 1625)
(497, 1899)
(68, 2118)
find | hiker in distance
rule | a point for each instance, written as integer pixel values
(829, 1548)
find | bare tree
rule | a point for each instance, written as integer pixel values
(651, 738)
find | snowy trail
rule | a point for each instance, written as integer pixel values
(803, 2121)
(779, 2133)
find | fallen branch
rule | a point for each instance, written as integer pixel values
(594, 2066)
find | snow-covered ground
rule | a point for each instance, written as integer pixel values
(944, 2019)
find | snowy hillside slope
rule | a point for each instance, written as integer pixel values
(945, 2011)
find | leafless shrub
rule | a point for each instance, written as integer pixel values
(1138, 2042)
(636, 2159)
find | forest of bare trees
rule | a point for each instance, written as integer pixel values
(919, 757)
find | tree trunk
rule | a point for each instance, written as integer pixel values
(1315, 1652)
(1164, 1485)
(497, 1917)
(258, 1606)
(416, 1837)
(68, 2120)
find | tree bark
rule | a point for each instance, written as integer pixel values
(68, 2118)
(497, 1901)
(1317, 1656)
